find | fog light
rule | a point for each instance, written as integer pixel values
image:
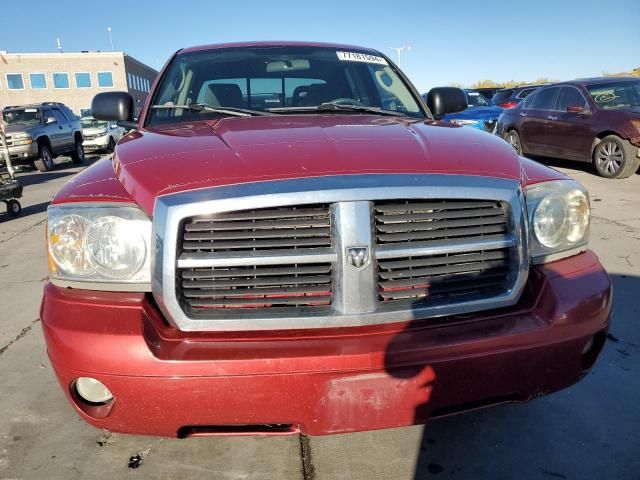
(92, 390)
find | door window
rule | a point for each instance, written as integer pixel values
(59, 116)
(570, 97)
(543, 99)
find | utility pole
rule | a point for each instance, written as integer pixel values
(110, 38)
(399, 50)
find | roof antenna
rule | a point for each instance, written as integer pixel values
(59, 44)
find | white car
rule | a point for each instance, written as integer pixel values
(100, 135)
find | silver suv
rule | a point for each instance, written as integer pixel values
(38, 133)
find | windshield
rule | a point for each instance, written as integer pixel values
(93, 123)
(612, 96)
(24, 116)
(475, 99)
(280, 78)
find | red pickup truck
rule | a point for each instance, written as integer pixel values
(289, 241)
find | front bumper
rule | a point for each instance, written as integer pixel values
(22, 153)
(173, 383)
(94, 144)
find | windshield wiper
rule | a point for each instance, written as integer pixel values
(337, 107)
(199, 107)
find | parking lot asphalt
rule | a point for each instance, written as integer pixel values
(589, 431)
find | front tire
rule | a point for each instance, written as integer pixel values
(78, 153)
(513, 139)
(44, 163)
(614, 158)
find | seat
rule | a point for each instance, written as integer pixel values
(298, 95)
(317, 94)
(225, 95)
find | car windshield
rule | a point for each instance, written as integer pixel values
(279, 80)
(475, 99)
(23, 116)
(93, 123)
(611, 96)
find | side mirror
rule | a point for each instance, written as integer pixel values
(576, 109)
(114, 106)
(444, 100)
(50, 120)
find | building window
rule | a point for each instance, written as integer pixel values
(129, 81)
(137, 82)
(83, 80)
(105, 80)
(38, 81)
(15, 81)
(147, 87)
(60, 80)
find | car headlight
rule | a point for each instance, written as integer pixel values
(100, 244)
(636, 125)
(21, 139)
(101, 132)
(559, 215)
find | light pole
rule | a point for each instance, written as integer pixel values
(399, 50)
(110, 38)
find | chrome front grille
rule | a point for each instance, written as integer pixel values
(407, 221)
(446, 277)
(338, 251)
(264, 284)
(260, 229)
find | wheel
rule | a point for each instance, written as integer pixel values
(513, 139)
(78, 153)
(614, 157)
(111, 145)
(14, 208)
(44, 163)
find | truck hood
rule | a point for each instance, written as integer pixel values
(170, 159)
(11, 129)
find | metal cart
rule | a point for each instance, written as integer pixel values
(10, 187)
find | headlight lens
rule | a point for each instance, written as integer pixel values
(463, 122)
(99, 243)
(559, 216)
(22, 139)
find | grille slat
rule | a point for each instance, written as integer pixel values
(257, 292)
(440, 233)
(445, 223)
(262, 302)
(254, 282)
(250, 244)
(271, 233)
(257, 272)
(410, 224)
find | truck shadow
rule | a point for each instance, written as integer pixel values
(547, 437)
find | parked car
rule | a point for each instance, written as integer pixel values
(510, 97)
(488, 92)
(100, 135)
(480, 113)
(325, 257)
(591, 120)
(38, 133)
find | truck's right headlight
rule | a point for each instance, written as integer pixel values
(559, 216)
(99, 244)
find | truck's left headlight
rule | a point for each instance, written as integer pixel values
(101, 244)
(559, 216)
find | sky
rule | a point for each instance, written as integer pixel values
(452, 41)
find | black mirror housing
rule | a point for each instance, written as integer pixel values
(117, 106)
(444, 100)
